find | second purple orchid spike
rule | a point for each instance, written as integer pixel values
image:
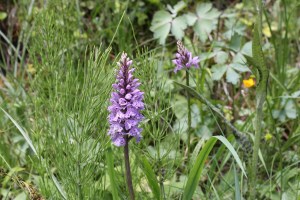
(184, 58)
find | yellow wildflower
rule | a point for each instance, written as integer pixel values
(248, 83)
(31, 69)
(268, 136)
(266, 31)
(246, 21)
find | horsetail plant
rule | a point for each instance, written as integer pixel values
(184, 59)
(124, 118)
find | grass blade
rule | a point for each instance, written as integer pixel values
(111, 173)
(237, 185)
(151, 177)
(58, 186)
(232, 151)
(196, 171)
(22, 131)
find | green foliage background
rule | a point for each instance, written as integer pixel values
(58, 60)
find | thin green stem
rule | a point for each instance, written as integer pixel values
(127, 169)
(261, 92)
(258, 126)
(189, 116)
(161, 178)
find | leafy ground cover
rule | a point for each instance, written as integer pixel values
(228, 129)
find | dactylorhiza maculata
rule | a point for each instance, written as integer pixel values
(126, 104)
(184, 58)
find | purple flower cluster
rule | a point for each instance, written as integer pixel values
(184, 58)
(126, 104)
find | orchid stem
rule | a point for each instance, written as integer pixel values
(127, 168)
(189, 116)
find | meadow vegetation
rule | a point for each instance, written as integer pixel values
(224, 126)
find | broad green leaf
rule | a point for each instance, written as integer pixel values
(180, 108)
(3, 15)
(180, 124)
(279, 114)
(178, 7)
(204, 132)
(160, 18)
(232, 151)
(195, 115)
(21, 196)
(295, 94)
(195, 173)
(161, 25)
(151, 177)
(235, 42)
(231, 72)
(190, 18)
(232, 76)
(290, 110)
(162, 33)
(207, 19)
(111, 173)
(163, 22)
(221, 57)
(239, 58)
(287, 109)
(247, 49)
(234, 27)
(239, 67)
(218, 71)
(178, 26)
(203, 8)
(206, 56)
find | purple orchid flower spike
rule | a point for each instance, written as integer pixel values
(126, 104)
(184, 58)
